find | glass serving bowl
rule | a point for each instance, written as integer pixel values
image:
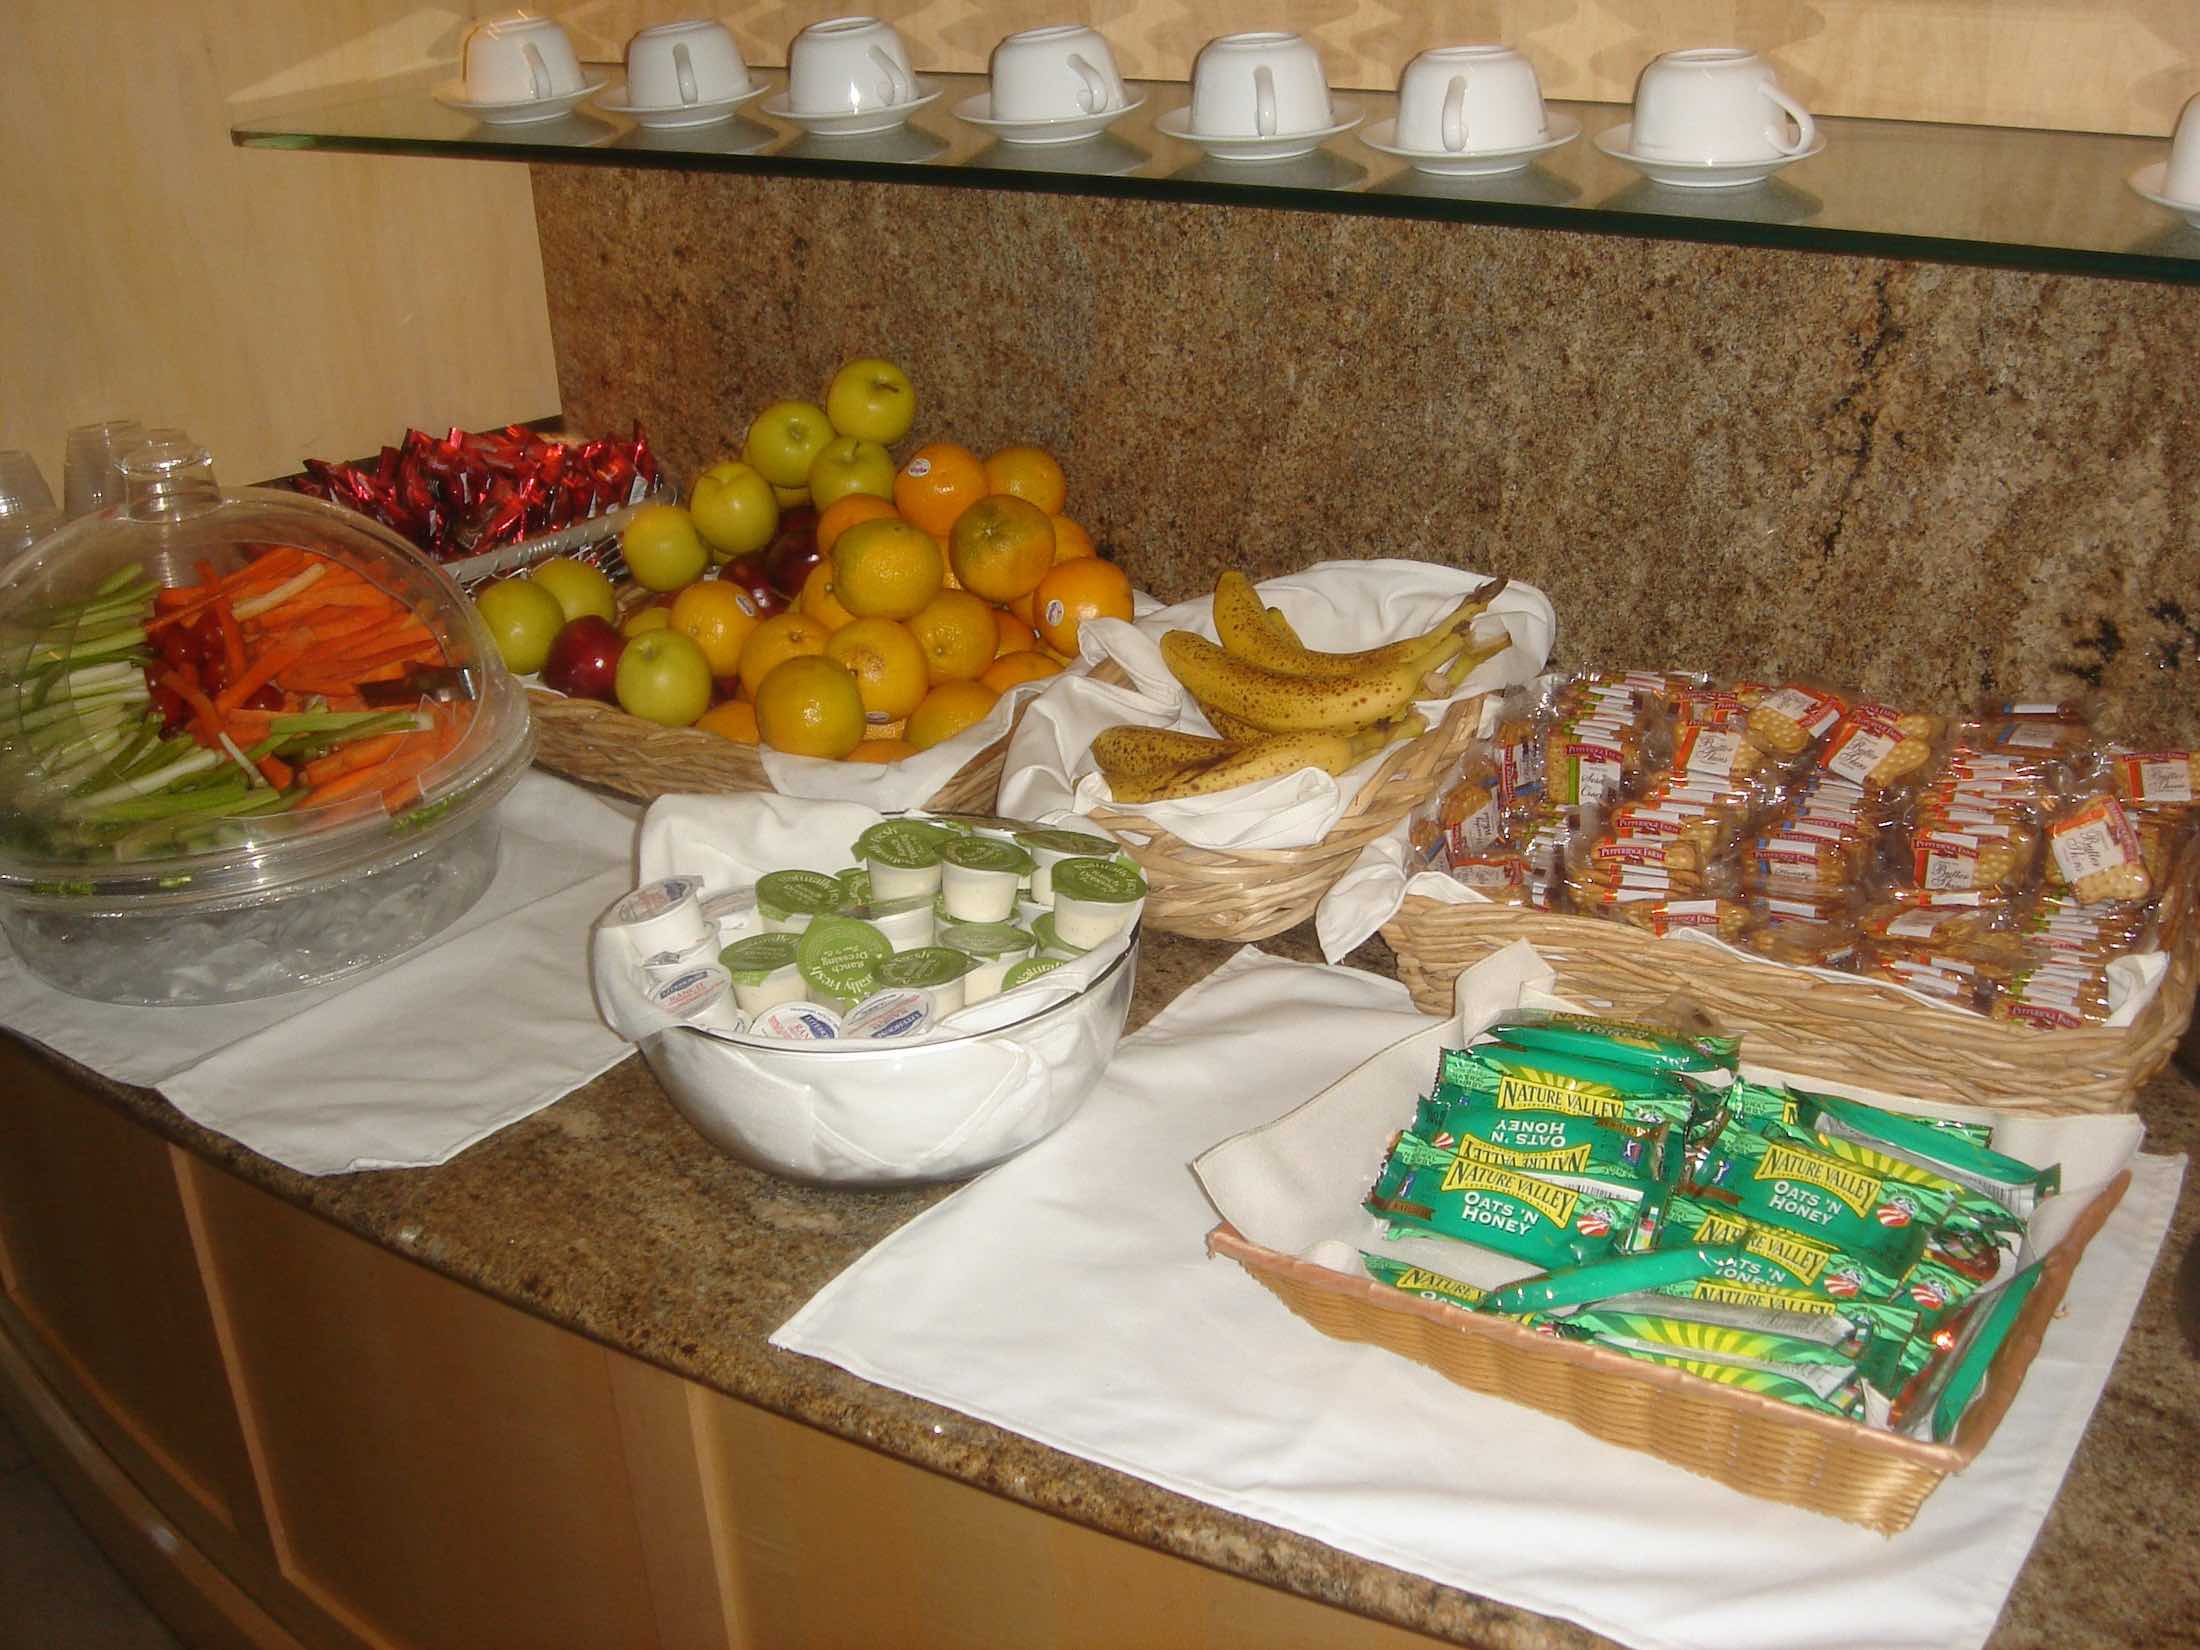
(250, 906)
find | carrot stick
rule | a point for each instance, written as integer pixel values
(206, 723)
(383, 776)
(390, 628)
(424, 651)
(279, 563)
(270, 664)
(177, 595)
(232, 638)
(358, 753)
(276, 771)
(328, 593)
(329, 624)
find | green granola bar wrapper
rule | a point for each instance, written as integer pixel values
(1634, 1043)
(1615, 1172)
(1422, 1189)
(1847, 1402)
(1770, 1265)
(1847, 1326)
(1552, 1142)
(1824, 1370)
(1409, 1279)
(1525, 1080)
(1775, 1178)
(1965, 1208)
(1940, 1144)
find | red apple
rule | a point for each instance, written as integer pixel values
(793, 551)
(763, 594)
(584, 659)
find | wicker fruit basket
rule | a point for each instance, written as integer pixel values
(1744, 1440)
(1811, 1026)
(600, 744)
(1209, 894)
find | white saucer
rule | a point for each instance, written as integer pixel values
(1283, 146)
(1472, 163)
(853, 125)
(682, 115)
(1697, 174)
(452, 95)
(2147, 183)
(978, 111)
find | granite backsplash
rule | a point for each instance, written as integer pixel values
(1935, 482)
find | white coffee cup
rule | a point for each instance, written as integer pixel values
(1470, 98)
(2181, 178)
(675, 65)
(1716, 105)
(1047, 74)
(1260, 85)
(519, 59)
(846, 66)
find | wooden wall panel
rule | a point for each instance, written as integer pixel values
(2084, 65)
(277, 306)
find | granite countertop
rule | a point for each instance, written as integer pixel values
(607, 1214)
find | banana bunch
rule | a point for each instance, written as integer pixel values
(1280, 705)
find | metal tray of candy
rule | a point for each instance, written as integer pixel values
(486, 503)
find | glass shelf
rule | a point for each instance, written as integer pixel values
(1998, 196)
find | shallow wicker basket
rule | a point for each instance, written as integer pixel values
(600, 744)
(1810, 1026)
(1745, 1440)
(1249, 894)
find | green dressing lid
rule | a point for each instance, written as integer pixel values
(855, 887)
(1074, 843)
(905, 844)
(840, 956)
(925, 965)
(1028, 970)
(984, 853)
(967, 823)
(751, 960)
(986, 939)
(790, 893)
(1050, 938)
(1104, 881)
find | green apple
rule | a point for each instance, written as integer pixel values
(523, 619)
(873, 399)
(662, 548)
(734, 508)
(579, 588)
(849, 464)
(663, 677)
(783, 438)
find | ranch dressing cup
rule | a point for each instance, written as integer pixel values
(982, 876)
(903, 858)
(909, 924)
(787, 900)
(855, 888)
(935, 972)
(764, 972)
(1031, 968)
(1049, 848)
(797, 1023)
(888, 1014)
(1096, 899)
(838, 958)
(993, 948)
(1051, 944)
(701, 997)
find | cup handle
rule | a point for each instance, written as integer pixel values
(683, 65)
(1094, 96)
(1806, 129)
(900, 88)
(1455, 114)
(538, 72)
(1264, 101)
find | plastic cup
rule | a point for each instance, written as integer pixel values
(89, 478)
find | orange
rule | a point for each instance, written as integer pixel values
(1017, 636)
(779, 638)
(809, 706)
(818, 600)
(948, 581)
(887, 664)
(885, 569)
(881, 750)
(717, 617)
(940, 482)
(1087, 588)
(1070, 541)
(959, 635)
(947, 710)
(1028, 473)
(735, 719)
(1002, 547)
(844, 512)
(1010, 668)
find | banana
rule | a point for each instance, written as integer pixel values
(1271, 758)
(1261, 636)
(1129, 753)
(1231, 727)
(1295, 704)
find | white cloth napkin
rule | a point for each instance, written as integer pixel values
(1336, 605)
(410, 1063)
(1112, 1338)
